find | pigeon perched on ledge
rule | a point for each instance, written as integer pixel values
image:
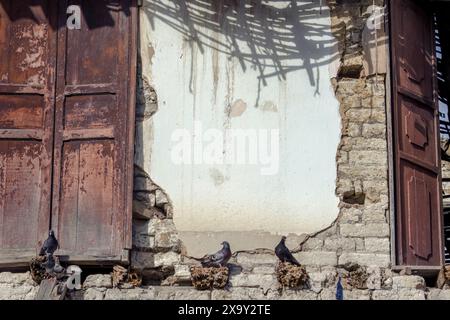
(218, 259)
(284, 254)
(50, 245)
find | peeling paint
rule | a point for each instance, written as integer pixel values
(237, 108)
(210, 70)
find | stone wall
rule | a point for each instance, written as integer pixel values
(359, 238)
(257, 285)
(356, 247)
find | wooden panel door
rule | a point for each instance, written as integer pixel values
(27, 65)
(416, 130)
(94, 131)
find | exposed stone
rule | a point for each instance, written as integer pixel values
(167, 241)
(385, 295)
(98, 281)
(254, 280)
(356, 294)
(166, 259)
(141, 259)
(313, 244)
(249, 259)
(345, 244)
(13, 291)
(348, 215)
(411, 294)
(322, 279)
(130, 294)
(374, 130)
(93, 294)
(368, 157)
(149, 199)
(290, 294)
(264, 270)
(408, 282)
(243, 294)
(375, 279)
(365, 259)
(16, 278)
(377, 244)
(143, 211)
(182, 271)
(378, 230)
(156, 235)
(319, 258)
(143, 184)
(438, 294)
(181, 293)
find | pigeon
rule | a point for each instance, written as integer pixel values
(49, 265)
(339, 290)
(284, 254)
(58, 268)
(52, 265)
(50, 245)
(218, 259)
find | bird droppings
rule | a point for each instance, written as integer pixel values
(209, 278)
(291, 276)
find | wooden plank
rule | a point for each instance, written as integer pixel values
(51, 289)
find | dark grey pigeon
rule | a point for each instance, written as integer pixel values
(50, 245)
(218, 259)
(58, 268)
(284, 254)
(49, 265)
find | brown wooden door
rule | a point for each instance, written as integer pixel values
(27, 63)
(66, 137)
(416, 122)
(93, 122)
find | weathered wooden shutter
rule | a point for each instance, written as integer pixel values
(94, 129)
(27, 44)
(416, 134)
(66, 136)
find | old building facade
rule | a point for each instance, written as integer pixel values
(340, 101)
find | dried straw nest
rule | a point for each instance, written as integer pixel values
(290, 275)
(37, 271)
(354, 276)
(121, 276)
(208, 278)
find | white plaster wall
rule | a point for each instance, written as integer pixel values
(246, 67)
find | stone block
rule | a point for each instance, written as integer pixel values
(319, 258)
(98, 281)
(408, 282)
(365, 259)
(363, 230)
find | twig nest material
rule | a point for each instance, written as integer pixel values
(37, 269)
(208, 278)
(290, 275)
(121, 276)
(354, 277)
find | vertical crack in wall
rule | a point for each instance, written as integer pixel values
(156, 245)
